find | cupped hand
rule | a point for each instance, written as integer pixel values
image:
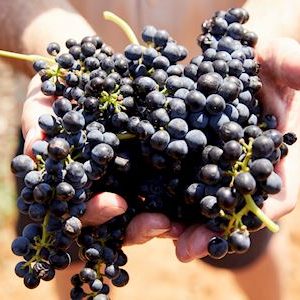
(279, 61)
(280, 73)
(104, 206)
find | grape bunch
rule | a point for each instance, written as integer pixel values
(190, 141)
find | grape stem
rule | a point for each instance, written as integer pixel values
(123, 25)
(44, 242)
(126, 136)
(236, 219)
(272, 226)
(27, 57)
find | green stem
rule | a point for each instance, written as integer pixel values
(44, 241)
(45, 233)
(27, 57)
(123, 25)
(238, 168)
(126, 136)
(258, 212)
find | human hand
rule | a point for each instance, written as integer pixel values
(101, 207)
(280, 72)
(279, 90)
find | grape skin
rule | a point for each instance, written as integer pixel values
(196, 151)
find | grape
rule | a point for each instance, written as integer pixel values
(31, 281)
(161, 37)
(145, 129)
(272, 184)
(196, 139)
(21, 165)
(21, 270)
(289, 138)
(172, 52)
(48, 88)
(216, 122)
(209, 83)
(261, 169)
(189, 141)
(205, 67)
(226, 198)
(72, 226)
(177, 128)
(40, 148)
(195, 101)
(231, 131)
(96, 285)
(60, 260)
(215, 104)
(229, 90)
(252, 131)
(177, 149)
(73, 121)
(160, 140)
(102, 153)
(42, 192)
(210, 174)
(239, 241)
(58, 149)
(198, 120)
(122, 279)
(65, 60)
(133, 52)
(194, 192)
(217, 247)
(209, 207)
(215, 154)
(263, 146)
(252, 222)
(245, 183)
(155, 99)
(232, 150)
(20, 246)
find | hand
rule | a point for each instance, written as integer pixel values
(280, 74)
(101, 207)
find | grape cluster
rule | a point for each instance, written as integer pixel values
(189, 141)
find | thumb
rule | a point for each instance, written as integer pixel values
(280, 58)
(102, 208)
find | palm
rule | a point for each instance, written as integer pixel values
(280, 70)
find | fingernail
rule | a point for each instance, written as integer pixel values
(184, 256)
(31, 134)
(157, 231)
(111, 211)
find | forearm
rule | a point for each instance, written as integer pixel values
(274, 18)
(27, 27)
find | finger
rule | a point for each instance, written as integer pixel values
(146, 226)
(102, 208)
(36, 105)
(283, 58)
(34, 134)
(276, 208)
(174, 233)
(192, 243)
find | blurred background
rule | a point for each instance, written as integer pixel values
(154, 270)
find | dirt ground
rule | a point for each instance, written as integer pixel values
(154, 270)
